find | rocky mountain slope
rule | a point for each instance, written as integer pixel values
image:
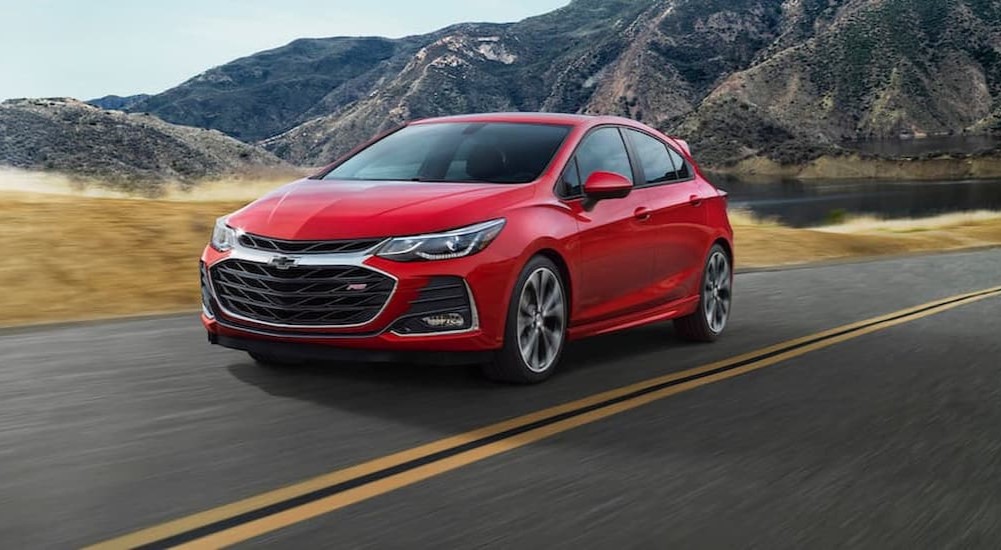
(865, 69)
(264, 94)
(125, 150)
(784, 79)
(117, 102)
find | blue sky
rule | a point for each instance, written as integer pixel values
(90, 49)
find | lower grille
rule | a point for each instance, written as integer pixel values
(328, 296)
(442, 295)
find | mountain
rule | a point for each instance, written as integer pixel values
(117, 102)
(125, 150)
(788, 80)
(258, 96)
(858, 69)
(334, 92)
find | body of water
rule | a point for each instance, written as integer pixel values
(812, 203)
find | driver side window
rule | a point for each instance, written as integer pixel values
(602, 150)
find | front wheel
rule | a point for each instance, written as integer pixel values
(709, 320)
(536, 326)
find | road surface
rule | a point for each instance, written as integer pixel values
(888, 436)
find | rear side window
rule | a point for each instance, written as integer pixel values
(603, 151)
(682, 171)
(660, 163)
(653, 158)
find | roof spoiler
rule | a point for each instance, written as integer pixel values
(683, 144)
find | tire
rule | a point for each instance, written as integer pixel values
(715, 292)
(529, 321)
(274, 361)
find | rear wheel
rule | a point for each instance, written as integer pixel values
(536, 326)
(709, 320)
(274, 361)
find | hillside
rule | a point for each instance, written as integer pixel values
(125, 150)
(117, 102)
(261, 95)
(783, 79)
(326, 95)
(866, 69)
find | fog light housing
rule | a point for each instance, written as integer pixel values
(443, 306)
(445, 321)
(434, 323)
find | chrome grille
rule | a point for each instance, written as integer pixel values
(269, 244)
(301, 296)
(206, 295)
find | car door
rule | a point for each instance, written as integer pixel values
(616, 268)
(674, 196)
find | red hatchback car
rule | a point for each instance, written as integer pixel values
(485, 238)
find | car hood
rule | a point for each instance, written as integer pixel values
(334, 210)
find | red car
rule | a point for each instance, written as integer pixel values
(489, 238)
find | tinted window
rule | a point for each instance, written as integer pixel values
(653, 157)
(682, 170)
(457, 152)
(603, 150)
(571, 179)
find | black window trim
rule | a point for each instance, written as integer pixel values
(558, 188)
(562, 181)
(639, 166)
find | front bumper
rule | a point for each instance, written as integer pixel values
(315, 352)
(486, 277)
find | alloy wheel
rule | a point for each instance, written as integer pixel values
(716, 293)
(541, 319)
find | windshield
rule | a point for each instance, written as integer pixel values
(491, 152)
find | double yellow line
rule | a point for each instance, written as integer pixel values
(254, 516)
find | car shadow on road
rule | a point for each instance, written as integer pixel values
(450, 398)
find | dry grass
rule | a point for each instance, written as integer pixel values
(763, 243)
(73, 257)
(868, 224)
(68, 256)
(246, 187)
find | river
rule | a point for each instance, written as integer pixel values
(820, 202)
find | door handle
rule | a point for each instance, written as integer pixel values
(641, 214)
(695, 200)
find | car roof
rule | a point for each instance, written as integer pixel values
(564, 119)
(536, 118)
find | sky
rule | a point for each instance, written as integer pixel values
(88, 49)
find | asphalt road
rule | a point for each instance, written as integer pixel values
(888, 440)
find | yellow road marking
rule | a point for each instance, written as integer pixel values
(268, 523)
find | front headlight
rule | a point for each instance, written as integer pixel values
(442, 246)
(223, 236)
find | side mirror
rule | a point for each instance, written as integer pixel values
(605, 185)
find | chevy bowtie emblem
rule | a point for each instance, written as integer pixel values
(283, 262)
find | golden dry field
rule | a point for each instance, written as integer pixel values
(762, 244)
(72, 254)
